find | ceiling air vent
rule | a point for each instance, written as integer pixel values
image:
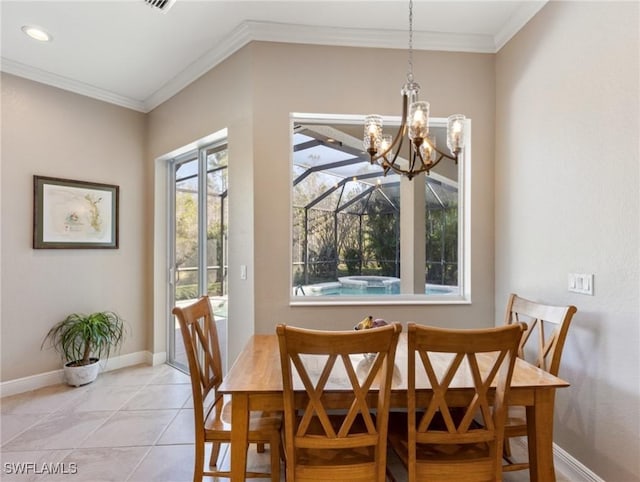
(162, 5)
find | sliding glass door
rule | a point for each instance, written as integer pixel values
(198, 247)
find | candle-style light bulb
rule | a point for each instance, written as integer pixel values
(456, 132)
(427, 149)
(372, 133)
(385, 145)
(419, 121)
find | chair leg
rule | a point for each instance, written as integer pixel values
(198, 470)
(390, 477)
(511, 465)
(215, 451)
(274, 447)
(260, 447)
(506, 447)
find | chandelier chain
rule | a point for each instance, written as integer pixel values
(410, 71)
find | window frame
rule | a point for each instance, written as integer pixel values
(464, 222)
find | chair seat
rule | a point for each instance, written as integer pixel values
(516, 425)
(217, 424)
(517, 416)
(335, 457)
(437, 452)
(354, 464)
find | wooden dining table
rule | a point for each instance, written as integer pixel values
(254, 383)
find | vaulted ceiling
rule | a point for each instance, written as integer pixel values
(131, 54)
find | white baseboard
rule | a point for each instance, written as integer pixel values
(33, 382)
(20, 385)
(128, 360)
(158, 358)
(570, 467)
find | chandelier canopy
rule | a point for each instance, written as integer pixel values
(423, 153)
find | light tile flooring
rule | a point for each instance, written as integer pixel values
(133, 424)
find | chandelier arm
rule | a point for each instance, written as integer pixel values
(413, 155)
(397, 152)
(453, 157)
(402, 130)
(437, 161)
(410, 174)
(418, 154)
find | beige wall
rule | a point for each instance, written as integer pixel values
(289, 78)
(50, 132)
(567, 183)
(302, 78)
(220, 99)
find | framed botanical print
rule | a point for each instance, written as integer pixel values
(69, 214)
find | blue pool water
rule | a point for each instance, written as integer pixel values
(365, 286)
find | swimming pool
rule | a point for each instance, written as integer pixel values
(366, 286)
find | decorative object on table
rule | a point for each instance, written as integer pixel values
(83, 340)
(71, 214)
(368, 323)
(423, 153)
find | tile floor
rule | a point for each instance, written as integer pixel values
(133, 424)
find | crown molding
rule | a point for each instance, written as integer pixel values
(519, 19)
(21, 70)
(238, 38)
(288, 33)
(371, 38)
(305, 34)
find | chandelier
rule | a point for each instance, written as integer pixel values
(423, 153)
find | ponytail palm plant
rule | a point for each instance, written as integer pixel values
(80, 338)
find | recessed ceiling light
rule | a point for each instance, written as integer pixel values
(37, 33)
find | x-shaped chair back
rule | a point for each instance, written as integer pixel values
(450, 420)
(337, 370)
(202, 348)
(200, 335)
(551, 323)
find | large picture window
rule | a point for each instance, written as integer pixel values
(358, 235)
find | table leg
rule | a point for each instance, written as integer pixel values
(239, 435)
(540, 436)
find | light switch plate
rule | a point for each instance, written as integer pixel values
(581, 283)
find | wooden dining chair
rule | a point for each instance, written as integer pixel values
(212, 411)
(447, 434)
(541, 345)
(337, 370)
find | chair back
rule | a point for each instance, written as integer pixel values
(551, 324)
(200, 336)
(336, 370)
(458, 438)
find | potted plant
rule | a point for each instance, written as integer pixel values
(82, 340)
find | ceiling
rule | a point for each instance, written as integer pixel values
(130, 54)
